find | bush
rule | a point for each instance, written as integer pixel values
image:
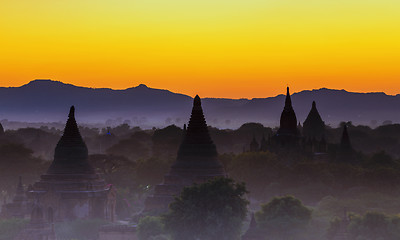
(283, 217)
(9, 228)
(214, 211)
(149, 227)
(374, 225)
(79, 229)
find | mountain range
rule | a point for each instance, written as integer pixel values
(49, 101)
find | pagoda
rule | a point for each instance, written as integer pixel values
(345, 151)
(313, 126)
(196, 162)
(287, 134)
(19, 206)
(71, 189)
(38, 228)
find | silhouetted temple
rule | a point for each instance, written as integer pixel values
(70, 188)
(345, 151)
(38, 228)
(263, 144)
(313, 126)
(196, 162)
(1, 129)
(252, 232)
(345, 144)
(254, 147)
(288, 134)
(18, 208)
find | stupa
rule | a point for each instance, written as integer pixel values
(71, 189)
(196, 162)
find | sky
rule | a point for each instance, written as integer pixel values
(214, 48)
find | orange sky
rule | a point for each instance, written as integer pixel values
(224, 48)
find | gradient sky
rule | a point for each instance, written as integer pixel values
(216, 48)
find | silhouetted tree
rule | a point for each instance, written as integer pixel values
(283, 218)
(212, 210)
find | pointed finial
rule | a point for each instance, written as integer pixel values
(71, 112)
(197, 101)
(184, 127)
(288, 101)
(314, 105)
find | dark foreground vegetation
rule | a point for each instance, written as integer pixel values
(135, 160)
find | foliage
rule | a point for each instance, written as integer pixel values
(149, 227)
(79, 229)
(333, 227)
(283, 217)
(151, 171)
(212, 210)
(9, 228)
(374, 226)
(17, 160)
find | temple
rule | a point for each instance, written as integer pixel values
(196, 162)
(1, 129)
(313, 126)
(345, 152)
(19, 206)
(71, 189)
(38, 228)
(254, 147)
(252, 232)
(345, 145)
(288, 135)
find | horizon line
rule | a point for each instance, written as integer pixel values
(241, 98)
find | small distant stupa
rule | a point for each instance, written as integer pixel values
(70, 189)
(18, 208)
(313, 126)
(254, 146)
(345, 144)
(196, 162)
(345, 152)
(38, 228)
(252, 232)
(1, 129)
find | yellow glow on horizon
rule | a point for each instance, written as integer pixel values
(221, 48)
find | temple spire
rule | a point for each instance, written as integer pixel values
(288, 121)
(197, 130)
(345, 141)
(288, 101)
(1, 129)
(72, 112)
(197, 140)
(71, 153)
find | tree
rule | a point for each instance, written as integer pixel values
(373, 226)
(283, 218)
(150, 227)
(212, 210)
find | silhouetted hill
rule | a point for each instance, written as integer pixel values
(47, 101)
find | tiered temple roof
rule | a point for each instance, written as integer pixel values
(70, 188)
(196, 161)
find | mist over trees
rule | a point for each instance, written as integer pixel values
(135, 160)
